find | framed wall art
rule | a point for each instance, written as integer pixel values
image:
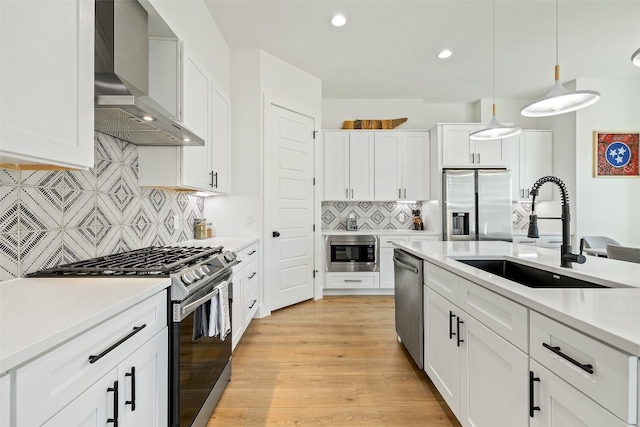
(615, 153)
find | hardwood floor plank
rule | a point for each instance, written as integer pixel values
(332, 362)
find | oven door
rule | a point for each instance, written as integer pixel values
(200, 364)
(352, 253)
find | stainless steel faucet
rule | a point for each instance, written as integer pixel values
(566, 257)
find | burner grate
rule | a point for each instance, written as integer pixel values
(152, 260)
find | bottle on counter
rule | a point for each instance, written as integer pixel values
(417, 220)
(209, 230)
(200, 228)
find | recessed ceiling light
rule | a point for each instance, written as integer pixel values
(444, 54)
(338, 20)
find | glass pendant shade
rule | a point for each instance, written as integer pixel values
(635, 58)
(495, 130)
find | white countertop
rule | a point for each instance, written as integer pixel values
(609, 315)
(381, 231)
(37, 314)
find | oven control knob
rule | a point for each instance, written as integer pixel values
(187, 278)
(205, 270)
(197, 273)
(229, 257)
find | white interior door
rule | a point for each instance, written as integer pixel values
(288, 213)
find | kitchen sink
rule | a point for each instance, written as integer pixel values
(528, 276)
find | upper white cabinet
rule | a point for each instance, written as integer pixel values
(348, 165)
(530, 159)
(41, 122)
(206, 110)
(458, 150)
(401, 165)
(5, 400)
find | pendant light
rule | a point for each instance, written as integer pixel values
(559, 100)
(495, 129)
(635, 58)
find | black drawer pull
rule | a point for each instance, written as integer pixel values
(451, 316)
(253, 303)
(588, 368)
(532, 406)
(94, 359)
(252, 252)
(114, 389)
(458, 332)
(253, 274)
(132, 402)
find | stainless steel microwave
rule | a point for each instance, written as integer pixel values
(346, 253)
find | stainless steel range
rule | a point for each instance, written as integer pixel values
(199, 357)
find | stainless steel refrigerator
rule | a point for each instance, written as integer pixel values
(477, 204)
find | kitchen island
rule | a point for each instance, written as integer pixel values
(502, 353)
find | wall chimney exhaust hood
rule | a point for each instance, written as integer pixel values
(124, 106)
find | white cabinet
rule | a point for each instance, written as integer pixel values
(246, 295)
(458, 150)
(605, 375)
(5, 400)
(40, 122)
(387, 269)
(555, 403)
(206, 110)
(73, 380)
(359, 280)
(473, 360)
(348, 165)
(552, 241)
(401, 165)
(530, 159)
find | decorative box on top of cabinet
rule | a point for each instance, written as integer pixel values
(246, 291)
(348, 165)
(459, 150)
(530, 159)
(401, 165)
(206, 110)
(69, 389)
(60, 35)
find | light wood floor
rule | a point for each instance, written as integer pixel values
(333, 362)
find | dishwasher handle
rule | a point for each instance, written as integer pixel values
(404, 266)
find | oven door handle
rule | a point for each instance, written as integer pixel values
(184, 310)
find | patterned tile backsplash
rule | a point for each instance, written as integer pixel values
(386, 215)
(371, 215)
(56, 217)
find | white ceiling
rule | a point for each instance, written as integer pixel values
(388, 48)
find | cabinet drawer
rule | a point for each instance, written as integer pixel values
(503, 316)
(352, 280)
(524, 241)
(250, 273)
(56, 378)
(386, 241)
(442, 281)
(251, 253)
(613, 380)
(550, 242)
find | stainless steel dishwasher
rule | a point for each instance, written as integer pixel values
(409, 304)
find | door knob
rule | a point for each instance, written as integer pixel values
(276, 234)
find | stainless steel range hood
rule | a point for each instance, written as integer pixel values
(124, 107)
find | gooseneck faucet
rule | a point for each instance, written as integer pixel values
(566, 257)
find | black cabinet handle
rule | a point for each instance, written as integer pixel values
(253, 303)
(588, 367)
(114, 389)
(451, 316)
(211, 179)
(216, 184)
(94, 359)
(251, 253)
(132, 402)
(459, 322)
(532, 406)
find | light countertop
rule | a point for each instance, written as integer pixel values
(37, 314)
(231, 243)
(609, 315)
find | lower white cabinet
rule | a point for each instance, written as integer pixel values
(481, 375)
(360, 280)
(555, 403)
(246, 295)
(5, 400)
(70, 385)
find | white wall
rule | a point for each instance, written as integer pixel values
(607, 206)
